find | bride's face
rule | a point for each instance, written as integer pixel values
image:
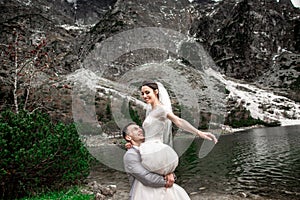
(148, 94)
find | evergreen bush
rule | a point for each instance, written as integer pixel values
(134, 115)
(37, 155)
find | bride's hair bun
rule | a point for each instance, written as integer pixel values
(150, 84)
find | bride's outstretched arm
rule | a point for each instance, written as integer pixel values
(185, 125)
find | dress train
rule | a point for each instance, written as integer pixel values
(175, 192)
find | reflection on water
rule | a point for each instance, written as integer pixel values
(259, 161)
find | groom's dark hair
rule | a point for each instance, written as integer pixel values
(125, 129)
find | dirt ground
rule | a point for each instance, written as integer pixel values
(106, 176)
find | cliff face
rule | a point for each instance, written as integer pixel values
(60, 11)
(39, 42)
(251, 40)
(256, 41)
(243, 38)
(127, 15)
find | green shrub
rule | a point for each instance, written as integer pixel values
(73, 193)
(134, 115)
(37, 155)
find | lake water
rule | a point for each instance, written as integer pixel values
(258, 161)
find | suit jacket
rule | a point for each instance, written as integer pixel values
(137, 172)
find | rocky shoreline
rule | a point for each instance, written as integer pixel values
(124, 195)
(109, 184)
(112, 192)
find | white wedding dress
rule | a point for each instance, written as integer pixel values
(158, 157)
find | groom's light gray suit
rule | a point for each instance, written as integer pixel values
(136, 171)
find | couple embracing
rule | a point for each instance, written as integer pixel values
(150, 160)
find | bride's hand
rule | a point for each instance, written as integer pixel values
(208, 136)
(213, 137)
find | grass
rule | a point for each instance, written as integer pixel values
(70, 194)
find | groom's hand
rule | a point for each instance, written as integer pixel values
(170, 179)
(128, 145)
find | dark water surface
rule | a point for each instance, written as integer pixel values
(259, 161)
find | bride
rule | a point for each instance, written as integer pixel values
(156, 152)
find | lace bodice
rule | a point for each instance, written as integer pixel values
(156, 124)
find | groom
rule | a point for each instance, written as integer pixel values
(133, 166)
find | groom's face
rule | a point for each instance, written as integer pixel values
(136, 133)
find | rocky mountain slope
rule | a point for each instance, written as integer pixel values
(42, 41)
(257, 41)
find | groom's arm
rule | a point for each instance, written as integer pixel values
(134, 166)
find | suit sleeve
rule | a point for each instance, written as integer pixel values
(134, 167)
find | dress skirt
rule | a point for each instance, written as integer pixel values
(175, 192)
(158, 157)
